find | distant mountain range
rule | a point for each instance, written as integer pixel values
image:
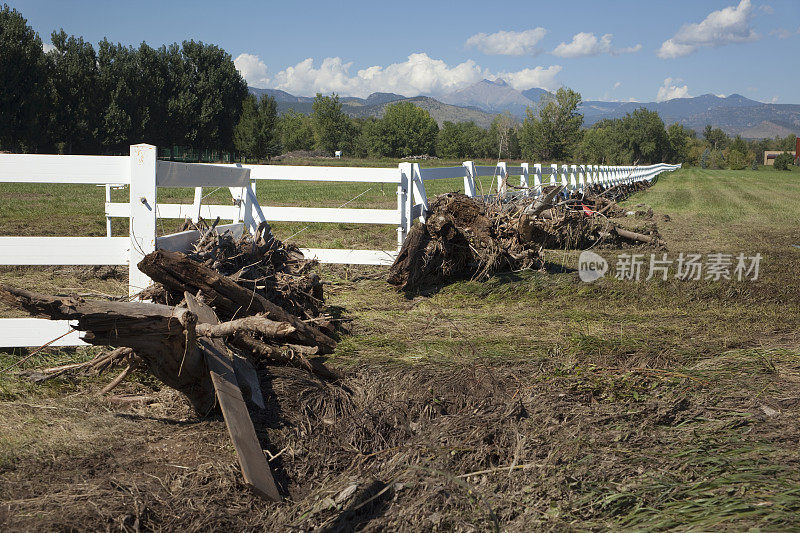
(375, 105)
(482, 101)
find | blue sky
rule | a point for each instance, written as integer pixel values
(612, 50)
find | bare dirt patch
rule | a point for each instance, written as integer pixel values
(464, 447)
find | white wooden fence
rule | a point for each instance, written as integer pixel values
(144, 174)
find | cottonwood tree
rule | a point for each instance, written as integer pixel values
(717, 138)
(679, 139)
(295, 131)
(255, 134)
(462, 140)
(599, 145)
(554, 134)
(408, 130)
(643, 137)
(332, 128)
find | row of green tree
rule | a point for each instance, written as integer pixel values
(75, 99)
(715, 149)
(404, 130)
(553, 133)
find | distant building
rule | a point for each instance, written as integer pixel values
(770, 155)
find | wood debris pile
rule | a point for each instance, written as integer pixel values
(218, 312)
(471, 238)
(259, 262)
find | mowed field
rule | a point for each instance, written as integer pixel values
(530, 401)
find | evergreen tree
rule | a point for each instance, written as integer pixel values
(23, 71)
(73, 89)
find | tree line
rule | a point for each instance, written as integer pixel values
(75, 99)
(553, 133)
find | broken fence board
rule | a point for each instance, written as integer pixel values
(255, 468)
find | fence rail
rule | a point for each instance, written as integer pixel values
(143, 173)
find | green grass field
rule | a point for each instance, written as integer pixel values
(630, 351)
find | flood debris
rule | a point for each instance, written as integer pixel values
(473, 238)
(214, 314)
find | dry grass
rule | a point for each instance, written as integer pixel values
(616, 405)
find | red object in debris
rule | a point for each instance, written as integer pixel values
(797, 150)
(586, 211)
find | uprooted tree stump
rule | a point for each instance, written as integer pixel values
(465, 237)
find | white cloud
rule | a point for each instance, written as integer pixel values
(782, 33)
(774, 100)
(669, 90)
(47, 47)
(585, 44)
(617, 85)
(626, 50)
(726, 26)
(253, 70)
(768, 9)
(544, 78)
(508, 43)
(419, 74)
(721, 95)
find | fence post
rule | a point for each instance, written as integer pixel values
(246, 209)
(198, 200)
(108, 218)
(403, 192)
(418, 189)
(143, 212)
(553, 173)
(537, 179)
(502, 179)
(469, 179)
(523, 179)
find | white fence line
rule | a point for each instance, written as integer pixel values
(145, 174)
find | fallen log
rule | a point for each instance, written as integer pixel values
(175, 271)
(638, 237)
(164, 338)
(542, 203)
(251, 324)
(156, 333)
